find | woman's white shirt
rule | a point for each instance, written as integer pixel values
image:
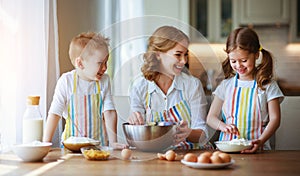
(192, 92)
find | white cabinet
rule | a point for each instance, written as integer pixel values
(287, 135)
(263, 12)
(295, 21)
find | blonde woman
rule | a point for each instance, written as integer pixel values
(167, 93)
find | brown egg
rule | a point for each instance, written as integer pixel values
(190, 157)
(126, 154)
(161, 156)
(216, 153)
(170, 155)
(215, 159)
(203, 159)
(209, 154)
(225, 157)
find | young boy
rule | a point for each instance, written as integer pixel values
(83, 96)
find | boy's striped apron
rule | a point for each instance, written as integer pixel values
(241, 108)
(85, 115)
(178, 112)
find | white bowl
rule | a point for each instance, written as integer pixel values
(32, 152)
(228, 146)
(75, 143)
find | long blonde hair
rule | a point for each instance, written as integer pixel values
(162, 40)
(247, 39)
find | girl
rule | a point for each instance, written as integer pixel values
(166, 93)
(248, 97)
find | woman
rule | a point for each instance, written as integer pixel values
(166, 93)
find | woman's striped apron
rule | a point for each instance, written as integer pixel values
(178, 112)
(241, 108)
(85, 115)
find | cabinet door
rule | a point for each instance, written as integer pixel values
(263, 12)
(212, 18)
(295, 21)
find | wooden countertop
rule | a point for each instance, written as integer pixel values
(61, 162)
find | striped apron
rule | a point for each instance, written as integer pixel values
(178, 112)
(85, 115)
(241, 108)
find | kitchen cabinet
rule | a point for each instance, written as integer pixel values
(263, 12)
(212, 18)
(287, 135)
(295, 21)
(159, 13)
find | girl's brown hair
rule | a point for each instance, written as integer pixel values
(247, 39)
(162, 40)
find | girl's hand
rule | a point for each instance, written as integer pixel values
(119, 146)
(230, 129)
(136, 118)
(182, 132)
(256, 145)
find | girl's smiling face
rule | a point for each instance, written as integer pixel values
(243, 63)
(174, 60)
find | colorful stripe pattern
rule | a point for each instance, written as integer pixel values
(85, 115)
(178, 112)
(241, 108)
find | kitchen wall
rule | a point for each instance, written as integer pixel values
(74, 17)
(274, 39)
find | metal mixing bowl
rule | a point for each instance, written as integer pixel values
(150, 138)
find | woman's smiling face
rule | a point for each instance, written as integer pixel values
(174, 60)
(243, 63)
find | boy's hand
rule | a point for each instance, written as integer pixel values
(136, 118)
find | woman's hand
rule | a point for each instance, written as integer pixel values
(136, 118)
(182, 132)
(256, 145)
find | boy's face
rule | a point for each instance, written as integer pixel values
(95, 65)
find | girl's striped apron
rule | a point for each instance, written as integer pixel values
(178, 112)
(85, 115)
(241, 108)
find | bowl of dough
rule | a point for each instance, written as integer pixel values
(154, 137)
(75, 143)
(32, 152)
(235, 145)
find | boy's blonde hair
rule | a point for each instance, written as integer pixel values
(85, 43)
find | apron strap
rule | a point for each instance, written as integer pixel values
(74, 82)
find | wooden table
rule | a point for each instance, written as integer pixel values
(61, 162)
